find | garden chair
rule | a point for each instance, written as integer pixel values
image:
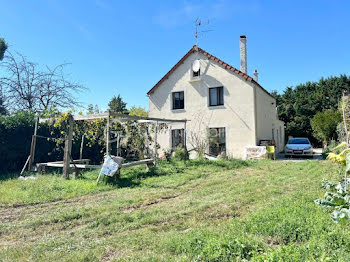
(271, 152)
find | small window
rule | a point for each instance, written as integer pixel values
(216, 96)
(273, 134)
(217, 141)
(177, 138)
(196, 74)
(178, 100)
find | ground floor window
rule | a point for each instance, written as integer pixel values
(177, 138)
(217, 141)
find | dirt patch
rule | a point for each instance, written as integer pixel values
(273, 242)
(149, 204)
(110, 254)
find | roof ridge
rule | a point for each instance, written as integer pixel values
(226, 65)
(212, 57)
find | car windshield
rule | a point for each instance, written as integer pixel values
(298, 141)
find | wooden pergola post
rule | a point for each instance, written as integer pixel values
(155, 143)
(118, 144)
(81, 147)
(108, 149)
(33, 145)
(185, 142)
(68, 148)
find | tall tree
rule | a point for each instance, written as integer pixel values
(26, 87)
(138, 111)
(298, 105)
(3, 47)
(90, 109)
(97, 110)
(117, 105)
(3, 110)
(324, 125)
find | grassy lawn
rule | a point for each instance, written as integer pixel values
(48, 188)
(206, 211)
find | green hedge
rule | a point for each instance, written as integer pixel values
(16, 131)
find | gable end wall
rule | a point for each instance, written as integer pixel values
(237, 114)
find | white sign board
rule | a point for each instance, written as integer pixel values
(255, 152)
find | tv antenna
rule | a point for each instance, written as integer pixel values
(198, 32)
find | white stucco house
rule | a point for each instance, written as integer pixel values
(224, 105)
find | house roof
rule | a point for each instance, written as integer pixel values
(212, 57)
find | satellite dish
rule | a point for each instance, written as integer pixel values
(196, 66)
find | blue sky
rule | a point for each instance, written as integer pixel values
(127, 46)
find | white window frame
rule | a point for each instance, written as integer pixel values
(208, 97)
(226, 132)
(195, 78)
(171, 101)
(171, 136)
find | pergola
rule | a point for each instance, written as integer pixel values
(68, 163)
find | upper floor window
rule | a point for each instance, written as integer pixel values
(178, 100)
(196, 74)
(216, 96)
(195, 71)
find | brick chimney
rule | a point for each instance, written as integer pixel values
(256, 75)
(243, 53)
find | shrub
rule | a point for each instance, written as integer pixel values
(324, 125)
(15, 138)
(16, 132)
(167, 154)
(180, 154)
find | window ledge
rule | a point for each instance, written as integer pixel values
(217, 107)
(195, 79)
(178, 110)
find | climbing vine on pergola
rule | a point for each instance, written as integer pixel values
(99, 128)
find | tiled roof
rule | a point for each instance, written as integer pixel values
(210, 56)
